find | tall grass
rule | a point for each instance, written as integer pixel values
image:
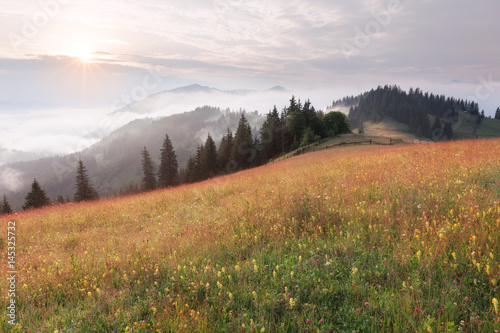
(364, 239)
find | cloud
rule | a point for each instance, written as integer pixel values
(115, 41)
(11, 179)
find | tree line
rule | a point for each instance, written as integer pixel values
(297, 125)
(37, 197)
(413, 109)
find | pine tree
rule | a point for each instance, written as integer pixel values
(224, 152)
(243, 153)
(36, 198)
(168, 170)
(497, 113)
(84, 191)
(148, 170)
(6, 208)
(209, 165)
(60, 199)
(190, 170)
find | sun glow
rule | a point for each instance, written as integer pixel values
(82, 52)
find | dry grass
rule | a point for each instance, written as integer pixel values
(304, 243)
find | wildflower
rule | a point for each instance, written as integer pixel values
(263, 329)
(466, 299)
(320, 321)
(366, 303)
(495, 304)
(308, 321)
(416, 310)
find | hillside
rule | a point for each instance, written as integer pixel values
(115, 161)
(389, 128)
(416, 112)
(365, 238)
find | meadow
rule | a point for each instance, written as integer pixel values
(352, 239)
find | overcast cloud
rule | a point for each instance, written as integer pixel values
(319, 48)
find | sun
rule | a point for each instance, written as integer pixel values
(82, 52)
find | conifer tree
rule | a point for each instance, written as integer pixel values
(209, 165)
(6, 208)
(36, 198)
(497, 113)
(84, 191)
(190, 170)
(148, 170)
(60, 199)
(243, 153)
(224, 152)
(168, 170)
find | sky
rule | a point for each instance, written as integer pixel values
(66, 64)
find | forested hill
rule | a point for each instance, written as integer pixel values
(427, 115)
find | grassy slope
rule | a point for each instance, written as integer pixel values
(371, 239)
(389, 128)
(464, 128)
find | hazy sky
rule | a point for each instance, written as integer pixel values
(75, 54)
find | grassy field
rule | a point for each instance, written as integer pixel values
(352, 239)
(489, 128)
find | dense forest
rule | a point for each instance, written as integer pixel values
(412, 108)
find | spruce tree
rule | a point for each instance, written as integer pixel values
(6, 208)
(36, 198)
(497, 113)
(84, 191)
(148, 170)
(167, 172)
(224, 152)
(209, 165)
(60, 199)
(243, 153)
(190, 176)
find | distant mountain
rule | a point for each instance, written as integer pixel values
(196, 88)
(189, 97)
(8, 156)
(115, 162)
